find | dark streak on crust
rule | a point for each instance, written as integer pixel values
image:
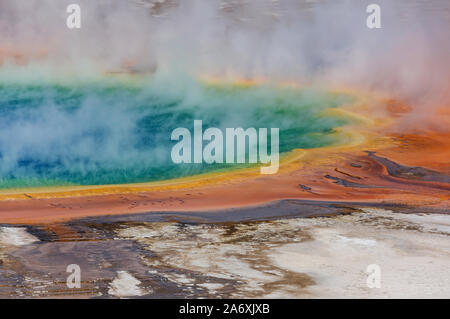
(415, 173)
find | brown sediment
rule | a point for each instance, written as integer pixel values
(295, 258)
(21, 56)
(396, 107)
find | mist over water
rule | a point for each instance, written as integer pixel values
(120, 133)
(326, 42)
(66, 120)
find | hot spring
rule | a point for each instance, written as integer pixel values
(114, 131)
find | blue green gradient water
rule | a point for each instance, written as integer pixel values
(113, 132)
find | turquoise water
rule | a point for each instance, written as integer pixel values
(113, 133)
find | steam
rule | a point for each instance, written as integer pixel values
(325, 42)
(322, 43)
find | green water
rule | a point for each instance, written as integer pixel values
(113, 133)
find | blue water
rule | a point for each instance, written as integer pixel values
(113, 133)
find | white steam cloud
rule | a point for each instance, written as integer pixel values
(323, 42)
